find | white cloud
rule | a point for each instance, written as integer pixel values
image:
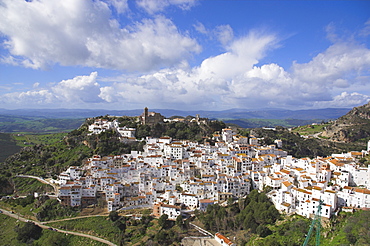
(224, 34)
(199, 27)
(366, 30)
(80, 88)
(345, 100)
(242, 54)
(79, 91)
(217, 77)
(235, 78)
(121, 6)
(77, 32)
(27, 99)
(154, 6)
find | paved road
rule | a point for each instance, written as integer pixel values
(19, 217)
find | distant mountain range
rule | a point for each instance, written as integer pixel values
(307, 114)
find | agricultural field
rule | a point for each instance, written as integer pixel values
(17, 124)
(310, 129)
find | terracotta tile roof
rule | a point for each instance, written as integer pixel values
(223, 238)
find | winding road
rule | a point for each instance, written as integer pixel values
(21, 218)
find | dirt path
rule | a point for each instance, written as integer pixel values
(72, 218)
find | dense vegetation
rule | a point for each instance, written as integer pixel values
(123, 230)
(252, 221)
(252, 215)
(42, 208)
(255, 221)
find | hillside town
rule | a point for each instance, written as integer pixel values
(176, 177)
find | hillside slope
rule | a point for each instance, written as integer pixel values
(351, 127)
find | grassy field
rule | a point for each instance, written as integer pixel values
(8, 236)
(310, 129)
(16, 124)
(99, 226)
(11, 143)
(26, 186)
(30, 139)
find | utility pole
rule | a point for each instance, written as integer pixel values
(316, 222)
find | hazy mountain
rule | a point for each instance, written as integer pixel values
(308, 114)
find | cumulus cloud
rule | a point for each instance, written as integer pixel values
(345, 99)
(28, 98)
(217, 78)
(242, 54)
(336, 77)
(236, 79)
(77, 32)
(80, 90)
(337, 61)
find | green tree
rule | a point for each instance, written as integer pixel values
(28, 232)
(263, 230)
(27, 200)
(163, 221)
(113, 216)
(179, 221)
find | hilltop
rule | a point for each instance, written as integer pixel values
(105, 136)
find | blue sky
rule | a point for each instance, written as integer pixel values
(184, 54)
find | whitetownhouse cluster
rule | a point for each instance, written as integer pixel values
(338, 180)
(174, 176)
(181, 175)
(100, 125)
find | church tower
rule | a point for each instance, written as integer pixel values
(146, 114)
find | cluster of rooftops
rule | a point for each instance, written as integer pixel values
(174, 177)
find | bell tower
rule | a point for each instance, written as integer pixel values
(145, 118)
